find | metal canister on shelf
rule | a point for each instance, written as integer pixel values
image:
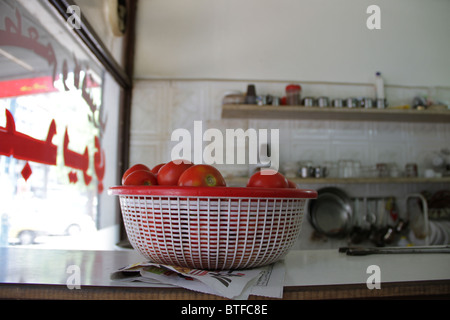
(318, 172)
(250, 97)
(261, 100)
(337, 103)
(293, 94)
(382, 169)
(381, 103)
(322, 102)
(351, 103)
(366, 103)
(308, 102)
(275, 101)
(304, 172)
(411, 170)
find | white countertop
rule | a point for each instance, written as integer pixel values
(303, 267)
(329, 267)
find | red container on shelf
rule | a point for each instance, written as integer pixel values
(293, 94)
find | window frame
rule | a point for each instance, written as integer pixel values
(122, 74)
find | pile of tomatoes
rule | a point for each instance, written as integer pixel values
(184, 173)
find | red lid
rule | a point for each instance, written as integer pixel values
(293, 87)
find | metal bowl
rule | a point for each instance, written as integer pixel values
(331, 213)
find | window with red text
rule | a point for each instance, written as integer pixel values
(58, 140)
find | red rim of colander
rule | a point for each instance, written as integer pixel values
(218, 192)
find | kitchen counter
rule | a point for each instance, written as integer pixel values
(310, 274)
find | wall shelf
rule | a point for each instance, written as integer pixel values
(387, 180)
(246, 111)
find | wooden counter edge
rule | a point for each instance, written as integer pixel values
(436, 289)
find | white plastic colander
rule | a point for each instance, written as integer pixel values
(213, 228)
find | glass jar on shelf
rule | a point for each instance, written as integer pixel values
(293, 94)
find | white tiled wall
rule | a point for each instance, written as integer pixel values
(161, 106)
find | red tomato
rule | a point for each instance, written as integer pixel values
(156, 168)
(170, 172)
(270, 179)
(201, 175)
(140, 178)
(134, 168)
(292, 184)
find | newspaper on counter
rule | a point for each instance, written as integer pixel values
(232, 284)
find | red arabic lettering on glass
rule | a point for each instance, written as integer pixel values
(24, 147)
(99, 164)
(75, 160)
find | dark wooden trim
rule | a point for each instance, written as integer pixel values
(436, 289)
(95, 44)
(128, 63)
(129, 45)
(388, 290)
